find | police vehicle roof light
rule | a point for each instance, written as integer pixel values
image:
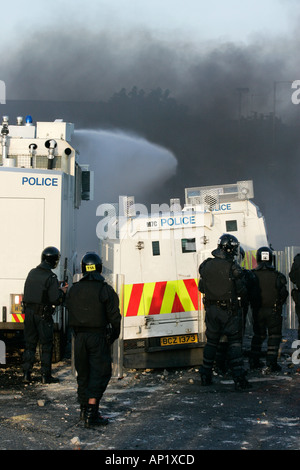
(28, 120)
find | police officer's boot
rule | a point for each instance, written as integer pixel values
(206, 379)
(93, 418)
(205, 375)
(271, 367)
(48, 379)
(241, 383)
(27, 376)
(275, 367)
(255, 363)
(82, 412)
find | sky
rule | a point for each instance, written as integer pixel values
(233, 20)
(41, 38)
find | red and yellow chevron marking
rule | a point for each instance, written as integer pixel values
(152, 298)
(18, 317)
(250, 260)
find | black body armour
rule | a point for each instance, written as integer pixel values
(295, 271)
(85, 307)
(35, 288)
(268, 287)
(217, 279)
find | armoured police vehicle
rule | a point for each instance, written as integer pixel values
(154, 259)
(40, 190)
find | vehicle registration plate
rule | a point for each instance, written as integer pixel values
(178, 339)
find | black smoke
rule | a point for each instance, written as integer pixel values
(224, 109)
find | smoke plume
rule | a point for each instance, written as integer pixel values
(231, 91)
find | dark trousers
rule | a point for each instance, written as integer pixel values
(221, 357)
(266, 322)
(38, 329)
(297, 309)
(93, 365)
(220, 322)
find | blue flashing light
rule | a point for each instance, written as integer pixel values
(28, 119)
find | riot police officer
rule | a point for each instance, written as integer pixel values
(249, 279)
(93, 307)
(221, 282)
(267, 301)
(294, 276)
(41, 294)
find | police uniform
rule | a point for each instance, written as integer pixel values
(267, 301)
(294, 276)
(92, 306)
(249, 280)
(41, 294)
(221, 282)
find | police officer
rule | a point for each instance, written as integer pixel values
(267, 301)
(249, 279)
(221, 282)
(294, 276)
(93, 307)
(41, 294)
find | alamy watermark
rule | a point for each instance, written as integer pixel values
(296, 354)
(296, 94)
(117, 223)
(2, 92)
(2, 353)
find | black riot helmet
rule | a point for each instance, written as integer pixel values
(229, 244)
(51, 256)
(90, 263)
(265, 255)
